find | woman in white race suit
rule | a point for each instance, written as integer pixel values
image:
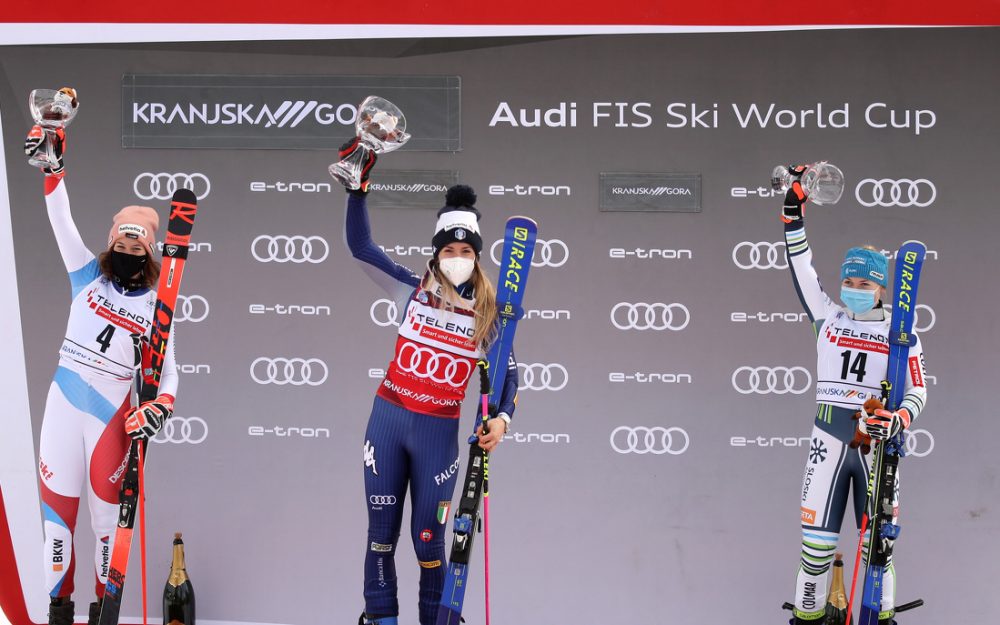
(88, 416)
(852, 358)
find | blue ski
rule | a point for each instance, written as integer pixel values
(909, 261)
(518, 248)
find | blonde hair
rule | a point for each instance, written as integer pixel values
(485, 309)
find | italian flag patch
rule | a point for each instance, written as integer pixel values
(443, 508)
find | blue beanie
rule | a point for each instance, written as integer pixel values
(867, 264)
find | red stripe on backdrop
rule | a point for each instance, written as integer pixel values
(516, 12)
(11, 595)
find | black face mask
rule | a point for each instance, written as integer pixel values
(124, 266)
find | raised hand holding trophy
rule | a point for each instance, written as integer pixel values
(52, 110)
(823, 182)
(381, 128)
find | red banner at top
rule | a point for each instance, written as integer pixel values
(728, 13)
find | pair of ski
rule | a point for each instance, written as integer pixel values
(183, 208)
(518, 248)
(885, 461)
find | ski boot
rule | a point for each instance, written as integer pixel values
(95, 612)
(366, 619)
(60, 611)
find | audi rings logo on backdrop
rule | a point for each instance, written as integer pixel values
(176, 429)
(542, 377)
(902, 192)
(384, 313)
(645, 440)
(161, 186)
(772, 380)
(294, 371)
(655, 316)
(382, 500)
(760, 255)
(918, 318)
(280, 248)
(439, 367)
(193, 308)
(919, 443)
(550, 253)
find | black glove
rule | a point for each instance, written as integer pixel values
(347, 150)
(38, 139)
(795, 197)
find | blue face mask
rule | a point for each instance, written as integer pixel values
(858, 301)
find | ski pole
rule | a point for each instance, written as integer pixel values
(857, 563)
(486, 507)
(142, 527)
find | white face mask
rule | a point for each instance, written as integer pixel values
(458, 270)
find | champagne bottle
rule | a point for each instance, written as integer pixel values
(178, 594)
(836, 606)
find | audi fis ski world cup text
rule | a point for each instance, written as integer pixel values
(696, 115)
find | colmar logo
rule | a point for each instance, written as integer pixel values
(426, 536)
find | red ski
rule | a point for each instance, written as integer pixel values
(183, 207)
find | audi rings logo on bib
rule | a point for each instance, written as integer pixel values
(193, 308)
(178, 430)
(772, 380)
(919, 443)
(384, 313)
(542, 377)
(761, 255)
(923, 313)
(550, 253)
(656, 316)
(294, 371)
(440, 367)
(280, 248)
(650, 440)
(382, 500)
(161, 186)
(903, 192)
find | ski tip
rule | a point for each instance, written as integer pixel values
(524, 218)
(184, 196)
(913, 242)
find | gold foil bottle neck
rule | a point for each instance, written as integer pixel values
(178, 572)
